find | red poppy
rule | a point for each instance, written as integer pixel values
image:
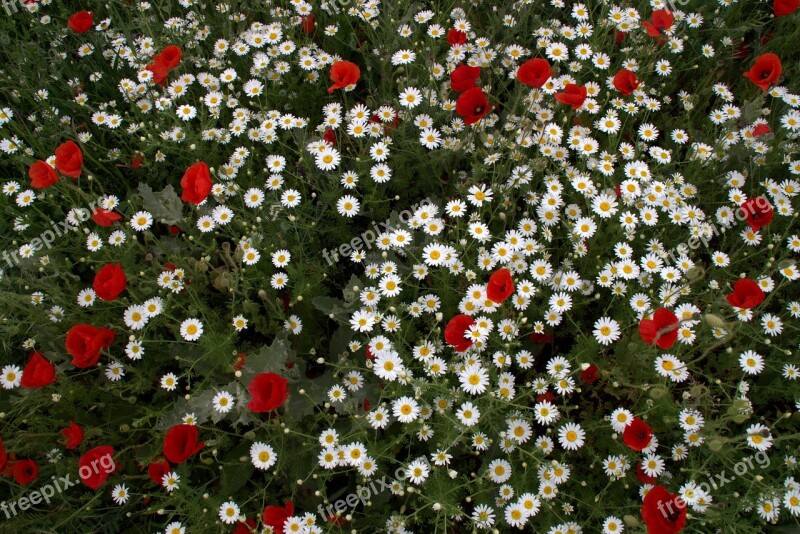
(663, 512)
(472, 105)
(455, 332)
(268, 392)
(42, 175)
(781, 8)
(343, 73)
(329, 136)
(534, 72)
(643, 477)
(761, 129)
(38, 372)
(109, 281)
(662, 329)
(660, 21)
(95, 466)
(637, 435)
(105, 217)
(625, 82)
(81, 22)
(246, 527)
(574, 95)
(160, 72)
(180, 443)
(74, 435)
(746, 294)
(464, 77)
(84, 343)
(591, 374)
(69, 159)
(137, 161)
(766, 71)
(619, 37)
(170, 57)
(276, 516)
(196, 183)
(157, 469)
(456, 37)
(500, 285)
(25, 471)
(307, 23)
(757, 212)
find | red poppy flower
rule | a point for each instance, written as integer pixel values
(472, 105)
(663, 512)
(660, 21)
(276, 516)
(180, 443)
(643, 477)
(196, 183)
(38, 372)
(455, 332)
(170, 57)
(781, 8)
(105, 217)
(591, 374)
(662, 329)
(464, 77)
(95, 466)
(500, 285)
(109, 281)
(84, 343)
(42, 175)
(746, 294)
(574, 95)
(343, 73)
(625, 82)
(456, 37)
(246, 527)
(637, 435)
(25, 471)
(69, 159)
(268, 392)
(761, 129)
(81, 22)
(534, 72)
(757, 212)
(329, 136)
(766, 71)
(157, 469)
(308, 23)
(160, 73)
(74, 435)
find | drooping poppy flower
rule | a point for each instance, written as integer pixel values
(573, 95)
(96, 465)
(25, 471)
(69, 159)
(660, 22)
(637, 435)
(746, 294)
(157, 469)
(38, 372)
(663, 512)
(455, 332)
(276, 516)
(42, 175)
(268, 392)
(625, 81)
(84, 343)
(105, 218)
(74, 435)
(472, 105)
(329, 136)
(500, 285)
(180, 443)
(766, 71)
(591, 374)
(534, 72)
(456, 37)
(464, 77)
(196, 183)
(109, 281)
(757, 212)
(81, 22)
(662, 329)
(781, 8)
(308, 24)
(343, 74)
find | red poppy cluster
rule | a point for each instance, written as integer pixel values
(69, 162)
